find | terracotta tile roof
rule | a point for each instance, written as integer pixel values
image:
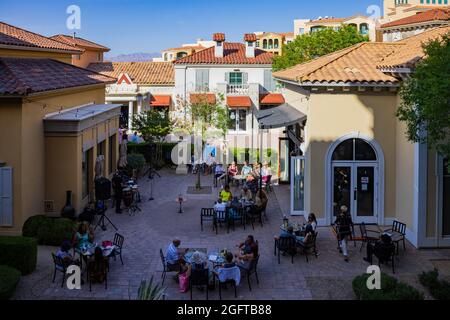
(425, 7)
(287, 34)
(251, 37)
(151, 73)
(411, 50)
(328, 20)
(160, 100)
(239, 102)
(362, 62)
(79, 42)
(427, 16)
(271, 99)
(22, 76)
(195, 48)
(233, 53)
(354, 64)
(14, 36)
(202, 97)
(219, 37)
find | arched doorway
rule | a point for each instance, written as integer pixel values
(355, 178)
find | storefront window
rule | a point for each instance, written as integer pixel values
(298, 185)
(238, 119)
(86, 172)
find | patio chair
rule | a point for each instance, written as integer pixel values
(118, 245)
(219, 218)
(236, 214)
(251, 268)
(389, 256)
(165, 266)
(59, 266)
(254, 214)
(285, 245)
(199, 278)
(97, 272)
(398, 233)
(309, 246)
(367, 236)
(227, 281)
(207, 214)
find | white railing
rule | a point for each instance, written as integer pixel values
(237, 89)
(121, 88)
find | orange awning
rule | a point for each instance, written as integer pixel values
(271, 99)
(203, 97)
(160, 101)
(239, 102)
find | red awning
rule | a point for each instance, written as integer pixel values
(160, 101)
(271, 99)
(203, 97)
(239, 102)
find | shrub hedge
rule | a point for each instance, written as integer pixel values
(144, 149)
(440, 290)
(48, 231)
(9, 278)
(19, 253)
(391, 289)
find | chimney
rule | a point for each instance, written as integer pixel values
(250, 39)
(219, 39)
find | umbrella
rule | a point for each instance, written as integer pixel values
(123, 154)
(99, 166)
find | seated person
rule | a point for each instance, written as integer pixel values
(64, 254)
(266, 172)
(98, 267)
(225, 195)
(220, 206)
(309, 233)
(256, 171)
(246, 194)
(232, 170)
(288, 233)
(248, 249)
(83, 238)
(312, 221)
(261, 199)
(174, 255)
(219, 171)
(229, 263)
(246, 170)
(382, 249)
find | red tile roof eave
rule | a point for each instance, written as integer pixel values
(40, 49)
(306, 83)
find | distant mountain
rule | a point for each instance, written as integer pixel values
(138, 56)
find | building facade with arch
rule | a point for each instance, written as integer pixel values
(355, 151)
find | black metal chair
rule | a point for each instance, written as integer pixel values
(388, 256)
(309, 246)
(98, 272)
(226, 282)
(118, 245)
(236, 214)
(199, 278)
(219, 218)
(165, 266)
(255, 213)
(367, 236)
(59, 266)
(398, 233)
(285, 245)
(207, 214)
(251, 268)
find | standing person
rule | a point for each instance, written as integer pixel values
(343, 226)
(135, 137)
(117, 184)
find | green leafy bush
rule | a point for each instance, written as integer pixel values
(48, 231)
(9, 278)
(144, 149)
(391, 289)
(440, 290)
(19, 253)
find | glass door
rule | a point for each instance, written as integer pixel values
(298, 186)
(284, 160)
(364, 193)
(342, 186)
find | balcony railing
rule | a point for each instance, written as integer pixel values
(121, 88)
(237, 89)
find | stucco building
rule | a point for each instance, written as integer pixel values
(273, 41)
(398, 9)
(53, 125)
(355, 150)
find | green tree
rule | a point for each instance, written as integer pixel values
(152, 124)
(425, 97)
(309, 46)
(208, 120)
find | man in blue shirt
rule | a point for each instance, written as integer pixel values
(173, 255)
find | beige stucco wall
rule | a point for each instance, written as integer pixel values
(64, 57)
(87, 57)
(11, 153)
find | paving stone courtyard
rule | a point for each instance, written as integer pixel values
(327, 277)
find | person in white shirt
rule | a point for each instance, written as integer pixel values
(220, 206)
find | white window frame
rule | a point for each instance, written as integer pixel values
(6, 199)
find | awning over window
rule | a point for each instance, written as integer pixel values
(271, 99)
(239, 102)
(160, 101)
(279, 117)
(203, 97)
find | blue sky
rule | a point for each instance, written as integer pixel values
(152, 25)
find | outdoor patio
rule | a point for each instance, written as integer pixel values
(327, 277)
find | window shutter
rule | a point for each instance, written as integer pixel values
(198, 80)
(244, 77)
(227, 77)
(268, 80)
(206, 79)
(6, 197)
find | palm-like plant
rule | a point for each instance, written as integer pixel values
(151, 291)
